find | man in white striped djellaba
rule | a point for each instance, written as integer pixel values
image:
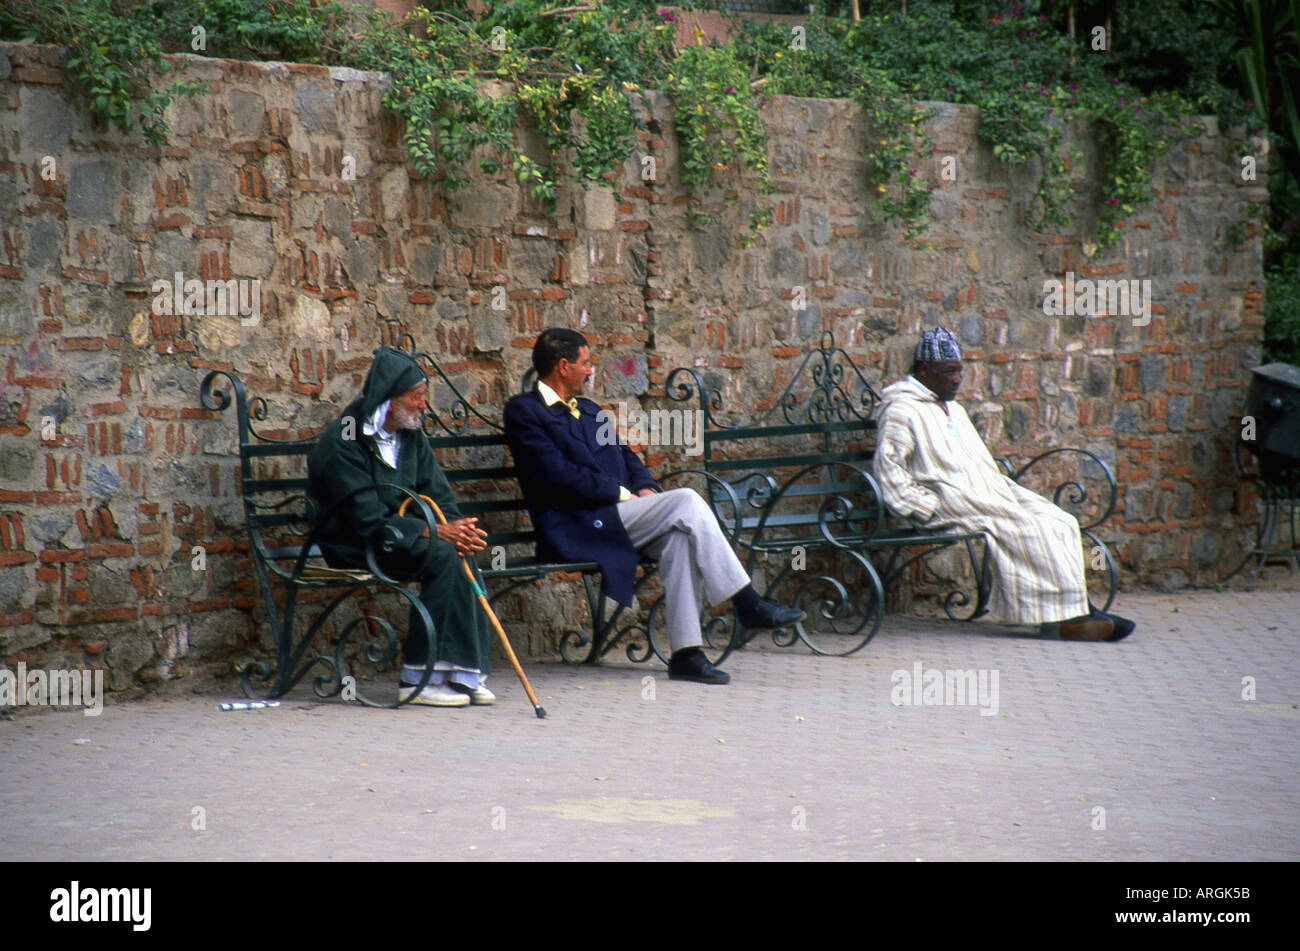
(934, 469)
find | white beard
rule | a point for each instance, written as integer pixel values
(404, 420)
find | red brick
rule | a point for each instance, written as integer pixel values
(85, 274)
(159, 412)
(115, 614)
(51, 556)
(110, 550)
(103, 409)
(10, 558)
(39, 74)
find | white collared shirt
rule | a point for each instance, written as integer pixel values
(387, 443)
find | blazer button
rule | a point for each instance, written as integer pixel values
(598, 524)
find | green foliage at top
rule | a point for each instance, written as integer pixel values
(110, 44)
(1028, 77)
(572, 71)
(465, 83)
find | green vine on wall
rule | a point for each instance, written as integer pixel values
(464, 84)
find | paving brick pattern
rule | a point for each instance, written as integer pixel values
(800, 757)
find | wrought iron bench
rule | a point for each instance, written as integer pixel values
(796, 481)
(290, 571)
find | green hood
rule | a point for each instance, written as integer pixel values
(393, 372)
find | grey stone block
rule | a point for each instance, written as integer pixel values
(133, 436)
(785, 263)
(491, 328)
(213, 186)
(820, 228)
(637, 262)
(1098, 378)
(8, 201)
(1017, 421)
(1152, 371)
(102, 482)
(43, 245)
(252, 249)
(17, 463)
(59, 408)
(338, 219)
(110, 587)
(846, 259)
(47, 121)
(316, 109)
(1176, 413)
(713, 251)
(810, 321)
(1224, 407)
(449, 308)
(363, 262)
(17, 317)
(246, 111)
(93, 191)
(480, 209)
(1128, 419)
(624, 375)
(16, 589)
(531, 261)
(424, 261)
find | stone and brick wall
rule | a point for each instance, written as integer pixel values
(294, 176)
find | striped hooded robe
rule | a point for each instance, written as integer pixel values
(933, 468)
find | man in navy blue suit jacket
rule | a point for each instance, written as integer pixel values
(592, 499)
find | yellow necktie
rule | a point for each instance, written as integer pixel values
(572, 403)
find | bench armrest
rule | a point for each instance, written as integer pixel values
(838, 514)
(386, 543)
(1078, 493)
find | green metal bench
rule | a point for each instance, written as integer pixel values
(292, 576)
(796, 481)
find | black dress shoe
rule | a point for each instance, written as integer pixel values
(768, 615)
(1123, 626)
(691, 664)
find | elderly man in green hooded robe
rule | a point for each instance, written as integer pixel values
(376, 441)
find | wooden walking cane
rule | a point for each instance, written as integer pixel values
(487, 609)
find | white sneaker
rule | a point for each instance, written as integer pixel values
(480, 696)
(439, 695)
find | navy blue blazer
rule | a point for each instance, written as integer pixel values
(570, 483)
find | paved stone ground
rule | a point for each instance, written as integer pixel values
(802, 757)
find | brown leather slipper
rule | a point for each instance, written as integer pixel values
(1080, 629)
